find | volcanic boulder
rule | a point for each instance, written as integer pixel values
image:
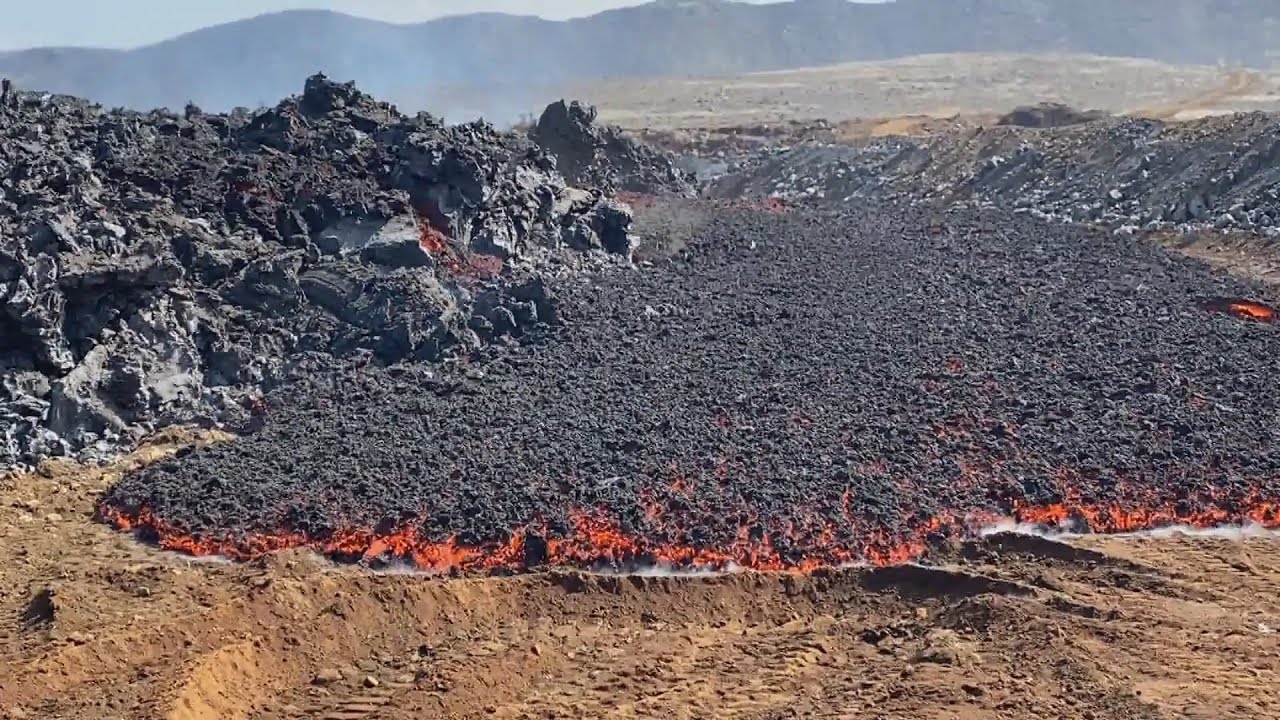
(592, 154)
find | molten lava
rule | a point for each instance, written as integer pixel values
(1101, 518)
(596, 540)
(437, 244)
(1246, 309)
(1253, 311)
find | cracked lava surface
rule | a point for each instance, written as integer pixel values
(794, 390)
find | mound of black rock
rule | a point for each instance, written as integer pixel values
(1125, 174)
(794, 385)
(590, 153)
(167, 267)
(1049, 115)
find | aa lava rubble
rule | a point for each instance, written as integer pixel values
(792, 390)
(1125, 174)
(158, 267)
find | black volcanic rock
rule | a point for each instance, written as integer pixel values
(1048, 115)
(591, 154)
(159, 268)
(1127, 174)
(794, 386)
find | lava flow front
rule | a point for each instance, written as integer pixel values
(1247, 309)
(797, 390)
(595, 541)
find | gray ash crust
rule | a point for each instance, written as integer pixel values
(160, 267)
(1128, 175)
(868, 369)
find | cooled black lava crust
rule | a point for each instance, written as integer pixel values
(865, 370)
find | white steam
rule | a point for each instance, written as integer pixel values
(1069, 531)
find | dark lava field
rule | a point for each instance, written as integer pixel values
(789, 390)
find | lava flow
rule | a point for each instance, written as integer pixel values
(436, 243)
(1103, 518)
(595, 541)
(1247, 309)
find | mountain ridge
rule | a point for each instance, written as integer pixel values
(497, 56)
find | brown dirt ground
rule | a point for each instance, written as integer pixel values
(96, 626)
(931, 86)
(671, 126)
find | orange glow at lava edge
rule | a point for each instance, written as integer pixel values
(1246, 309)
(597, 541)
(1118, 519)
(1252, 310)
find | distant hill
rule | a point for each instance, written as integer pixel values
(489, 60)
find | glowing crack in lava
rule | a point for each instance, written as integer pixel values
(597, 541)
(436, 243)
(1246, 309)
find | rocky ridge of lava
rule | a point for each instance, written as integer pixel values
(597, 155)
(167, 267)
(791, 389)
(1126, 174)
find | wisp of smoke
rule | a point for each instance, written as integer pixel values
(1068, 532)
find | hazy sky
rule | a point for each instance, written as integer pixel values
(128, 23)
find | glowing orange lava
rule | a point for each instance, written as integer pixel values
(436, 244)
(1252, 310)
(1247, 309)
(1100, 518)
(596, 540)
